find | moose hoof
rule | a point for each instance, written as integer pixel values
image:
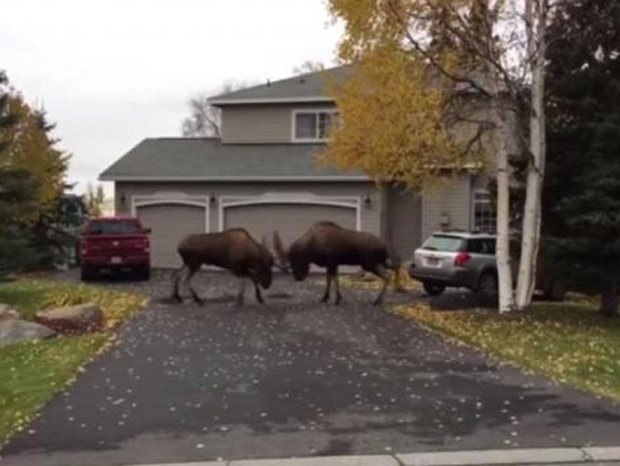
(173, 299)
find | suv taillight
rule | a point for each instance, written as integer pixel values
(461, 259)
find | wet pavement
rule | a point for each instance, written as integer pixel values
(296, 378)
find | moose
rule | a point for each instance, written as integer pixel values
(233, 249)
(328, 245)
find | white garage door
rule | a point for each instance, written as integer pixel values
(169, 223)
(290, 220)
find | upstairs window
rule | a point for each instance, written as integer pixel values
(313, 125)
(485, 214)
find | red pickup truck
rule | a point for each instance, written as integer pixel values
(113, 245)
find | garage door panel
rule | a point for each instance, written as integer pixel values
(169, 223)
(290, 220)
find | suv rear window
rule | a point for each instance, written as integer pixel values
(114, 227)
(443, 243)
(481, 246)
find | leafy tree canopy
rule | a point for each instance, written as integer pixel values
(405, 121)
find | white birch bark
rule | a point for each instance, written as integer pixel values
(536, 25)
(502, 248)
(503, 174)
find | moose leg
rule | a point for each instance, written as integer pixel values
(382, 272)
(337, 283)
(328, 287)
(192, 270)
(241, 294)
(259, 296)
(176, 295)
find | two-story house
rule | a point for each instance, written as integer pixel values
(262, 175)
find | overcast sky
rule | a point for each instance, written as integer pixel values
(112, 72)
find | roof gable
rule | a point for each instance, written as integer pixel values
(309, 87)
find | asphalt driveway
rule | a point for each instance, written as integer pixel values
(296, 378)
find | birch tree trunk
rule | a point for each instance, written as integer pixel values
(502, 248)
(536, 12)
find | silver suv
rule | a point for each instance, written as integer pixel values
(456, 258)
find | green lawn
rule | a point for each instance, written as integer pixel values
(568, 342)
(31, 373)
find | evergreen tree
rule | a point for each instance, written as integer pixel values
(582, 195)
(32, 181)
(16, 188)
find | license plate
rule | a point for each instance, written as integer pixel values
(116, 260)
(433, 262)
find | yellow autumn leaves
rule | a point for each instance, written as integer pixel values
(32, 372)
(567, 342)
(35, 295)
(392, 126)
(398, 113)
(399, 281)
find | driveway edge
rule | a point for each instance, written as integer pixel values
(522, 456)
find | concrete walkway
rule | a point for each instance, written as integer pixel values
(542, 456)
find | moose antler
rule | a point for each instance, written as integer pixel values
(280, 253)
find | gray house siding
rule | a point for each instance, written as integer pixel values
(370, 215)
(450, 199)
(409, 218)
(261, 124)
(257, 150)
(480, 182)
(404, 221)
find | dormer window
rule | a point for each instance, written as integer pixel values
(313, 125)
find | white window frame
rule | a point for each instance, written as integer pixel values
(316, 111)
(474, 202)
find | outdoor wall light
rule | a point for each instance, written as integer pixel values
(123, 199)
(367, 200)
(212, 199)
(444, 220)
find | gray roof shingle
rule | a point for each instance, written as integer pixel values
(187, 159)
(307, 87)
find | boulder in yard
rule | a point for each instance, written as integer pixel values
(78, 319)
(16, 331)
(7, 313)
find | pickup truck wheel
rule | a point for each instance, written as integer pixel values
(86, 274)
(144, 273)
(433, 289)
(487, 285)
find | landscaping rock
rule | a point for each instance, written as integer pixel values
(16, 331)
(7, 313)
(72, 320)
